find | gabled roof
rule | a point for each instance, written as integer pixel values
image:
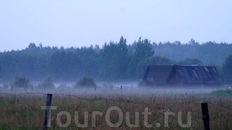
(158, 73)
(194, 75)
(179, 74)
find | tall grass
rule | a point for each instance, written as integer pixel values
(24, 111)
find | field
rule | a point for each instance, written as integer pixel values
(21, 110)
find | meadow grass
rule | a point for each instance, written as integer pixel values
(24, 111)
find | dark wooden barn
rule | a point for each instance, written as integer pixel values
(182, 75)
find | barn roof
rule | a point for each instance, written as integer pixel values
(179, 74)
(158, 73)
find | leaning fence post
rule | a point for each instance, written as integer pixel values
(47, 110)
(205, 115)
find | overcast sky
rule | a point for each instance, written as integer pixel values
(84, 22)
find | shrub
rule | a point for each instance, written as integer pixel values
(85, 82)
(47, 84)
(142, 83)
(20, 82)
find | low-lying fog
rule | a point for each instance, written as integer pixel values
(119, 88)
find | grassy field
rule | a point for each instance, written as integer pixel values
(22, 110)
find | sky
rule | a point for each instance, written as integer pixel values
(79, 23)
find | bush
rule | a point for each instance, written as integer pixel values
(47, 84)
(20, 82)
(142, 83)
(85, 82)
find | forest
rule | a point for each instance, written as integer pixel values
(114, 61)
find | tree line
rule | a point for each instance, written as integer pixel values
(114, 61)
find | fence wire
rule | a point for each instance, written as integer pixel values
(95, 98)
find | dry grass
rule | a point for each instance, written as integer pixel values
(24, 111)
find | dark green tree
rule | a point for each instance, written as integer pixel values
(21, 82)
(89, 61)
(114, 60)
(143, 49)
(32, 47)
(138, 61)
(227, 70)
(47, 84)
(121, 59)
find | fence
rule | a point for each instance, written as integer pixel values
(204, 105)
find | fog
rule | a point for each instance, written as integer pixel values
(116, 88)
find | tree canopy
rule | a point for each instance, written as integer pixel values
(116, 60)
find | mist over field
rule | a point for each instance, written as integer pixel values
(122, 88)
(94, 78)
(115, 65)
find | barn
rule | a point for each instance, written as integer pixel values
(181, 75)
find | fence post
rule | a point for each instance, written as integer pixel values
(205, 115)
(47, 110)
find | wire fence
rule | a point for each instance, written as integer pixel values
(204, 104)
(99, 98)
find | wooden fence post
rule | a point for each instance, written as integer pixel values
(47, 110)
(205, 115)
